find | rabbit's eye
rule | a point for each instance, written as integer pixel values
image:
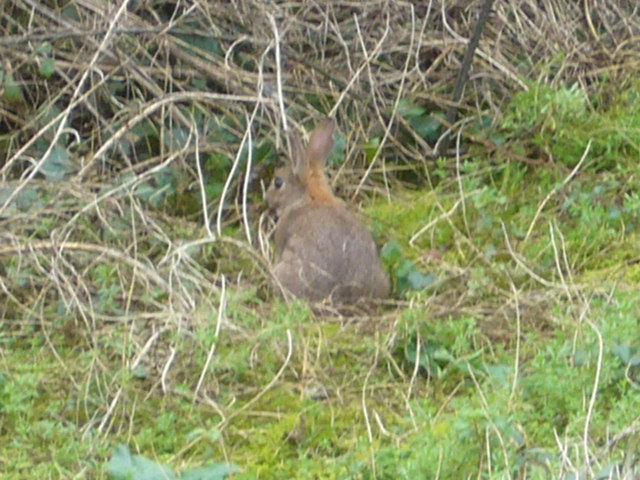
(278, 182)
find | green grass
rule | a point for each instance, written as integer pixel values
(439, 386)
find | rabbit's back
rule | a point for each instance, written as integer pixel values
(325, 251)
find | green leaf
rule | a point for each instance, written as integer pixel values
(44, 49)
(499, 374)
(371, 148)
(419, 280)
(580, 358)
(404, 269)
(264, 152)
(623, 352)
(25, 200)
(28, 198)
(12, 90)
(391, 252)
(338, 152)
(145, 130)
(57, 165)
(613, 470)
(71, 12)
(408, 110)
(125, 466)
(215, 471)
(220, 132)
(211, 435)
(47, 67)
(424, 361)
(140, 373)
(199, 83)
(176, 138)
(427, 126)
(207, 43)
(442, 355)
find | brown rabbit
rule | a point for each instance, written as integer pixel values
(322, 250)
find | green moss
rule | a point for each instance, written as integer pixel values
(430, 387)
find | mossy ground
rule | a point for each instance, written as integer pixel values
(519, 360)
(136, 303)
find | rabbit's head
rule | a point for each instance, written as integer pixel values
(304, 180)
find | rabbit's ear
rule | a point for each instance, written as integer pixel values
(321, 142)
(299, 162)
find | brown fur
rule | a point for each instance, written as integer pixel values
(317, 152)
(322, 249)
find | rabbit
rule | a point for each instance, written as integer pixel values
(322, 250)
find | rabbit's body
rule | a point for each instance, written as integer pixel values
(322, 250)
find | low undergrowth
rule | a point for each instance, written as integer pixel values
(139, 333)
(518, 355)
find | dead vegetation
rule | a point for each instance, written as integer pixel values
(135, 136)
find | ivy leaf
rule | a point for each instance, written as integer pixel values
(176, 138)
(47, 67)
(391, 252)
(205, 43)
(336, 157)
(125, 466)
(371, 148)
(634, 361)
(216, 471)
(427, 126)
(623, 352)
(44, 49)
(12, 90)
(57, 164)
(409, 110)
(419, 280)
